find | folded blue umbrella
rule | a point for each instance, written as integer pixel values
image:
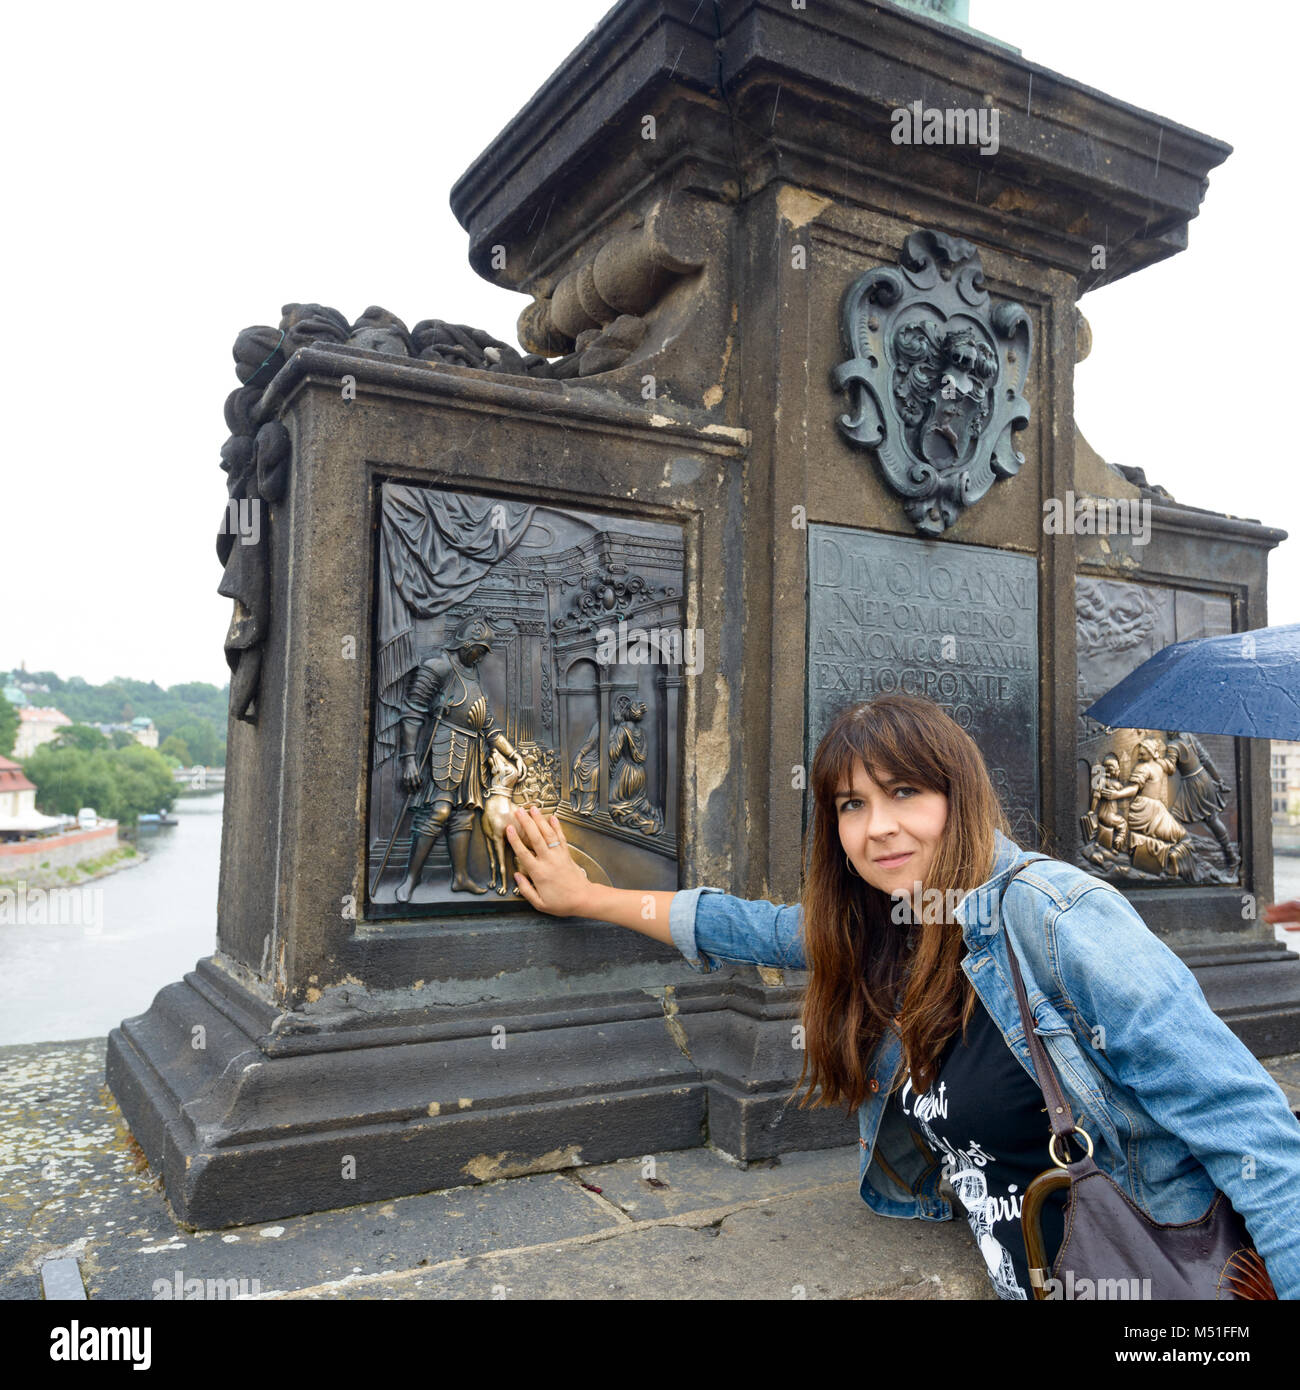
(1245, 683)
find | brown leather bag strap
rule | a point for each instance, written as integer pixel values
(1058, 1107)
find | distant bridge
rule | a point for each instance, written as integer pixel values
(200, 779)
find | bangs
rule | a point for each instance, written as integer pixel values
(886, 751)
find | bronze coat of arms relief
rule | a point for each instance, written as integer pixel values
(936, 376)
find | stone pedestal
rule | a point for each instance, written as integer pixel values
(688, 208)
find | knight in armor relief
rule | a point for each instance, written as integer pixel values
(449, 790)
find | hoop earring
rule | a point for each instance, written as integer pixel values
(852, 870)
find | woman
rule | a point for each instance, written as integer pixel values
(628, 803)
(910, 1013)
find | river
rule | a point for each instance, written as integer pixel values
(149, 925)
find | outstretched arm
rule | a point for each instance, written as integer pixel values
(702, 928)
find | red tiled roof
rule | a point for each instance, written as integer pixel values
(12, 778)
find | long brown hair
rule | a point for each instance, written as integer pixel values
(857, 955)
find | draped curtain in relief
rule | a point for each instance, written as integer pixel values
(434, 547)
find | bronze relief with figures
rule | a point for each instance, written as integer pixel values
(1156, 806)
(523, 654)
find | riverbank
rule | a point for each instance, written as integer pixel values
(47, 876)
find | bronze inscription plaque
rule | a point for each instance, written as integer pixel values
(955, 623)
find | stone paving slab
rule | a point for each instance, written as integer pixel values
(815, 1243)
(686, 1224)
(363, 1240)
(695, 1179)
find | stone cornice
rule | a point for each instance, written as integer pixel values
(1075, 167)
(575, 406)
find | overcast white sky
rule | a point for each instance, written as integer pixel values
(178, 173)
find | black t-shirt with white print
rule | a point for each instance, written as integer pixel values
(985, 1118)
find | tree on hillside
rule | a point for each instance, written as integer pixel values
(8, 727)
(200, 738)
(80, 736)
(175, 747)
(198, 692)
(121, 739)
(37, 678)
(187, 703)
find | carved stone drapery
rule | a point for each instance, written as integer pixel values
(255, 459)
(435, 547)
(935, 377)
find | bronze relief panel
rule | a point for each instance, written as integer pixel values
(1156, 806)
(523, 653)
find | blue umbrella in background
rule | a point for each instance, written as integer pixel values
(1245, 683)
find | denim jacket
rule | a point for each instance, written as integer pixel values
(1175, 1103)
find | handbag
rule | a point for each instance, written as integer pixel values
(1110, 1248)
